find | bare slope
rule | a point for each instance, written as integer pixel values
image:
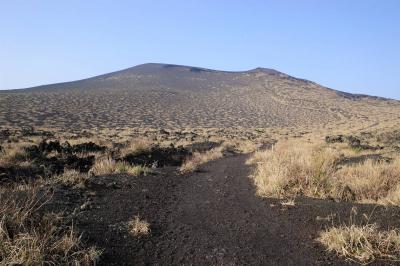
(160, 95)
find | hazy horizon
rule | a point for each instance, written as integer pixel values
(346, 46)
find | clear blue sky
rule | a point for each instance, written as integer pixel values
(347, 45)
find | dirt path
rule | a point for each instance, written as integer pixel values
(208, 218)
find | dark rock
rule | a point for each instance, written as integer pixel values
(27, 131)
(50, 146)
(4, 134)
(168, 156)
(13, 173)
(77, 163)
(163, 132)
(353, 142)
(88, 147)
(66, 147)
(334, 139)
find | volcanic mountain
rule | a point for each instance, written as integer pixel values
(175, 96)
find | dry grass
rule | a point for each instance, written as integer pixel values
(298, 168)
(124, 167)
(71, 177)
(291, 169)
(136, 146)
(138, 227)
(104, 166)
(362, 243)
(28, 239)
(372, 181)
(257, 157)
(242, 146)
(197, 159)
(13, 154)
(109, 166)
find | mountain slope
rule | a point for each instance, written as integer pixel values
(162, 95)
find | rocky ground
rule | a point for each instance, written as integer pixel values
(208, 217)
(211, 217)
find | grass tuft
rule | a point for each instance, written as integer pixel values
(110, 166)
(363, 244)
(137, 146)
(71, 177)
(139, 227)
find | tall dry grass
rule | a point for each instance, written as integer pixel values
(362, 242)
(108, 165)
(29, 238)
(291, 168)
(297, 168)
(372, 181)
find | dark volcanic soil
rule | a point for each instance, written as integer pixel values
(212, 217)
